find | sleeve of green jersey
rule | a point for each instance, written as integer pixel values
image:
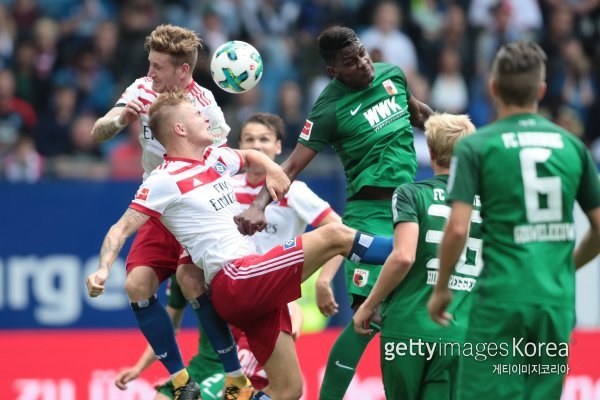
(588, 193)
(464, 168)
(404, 204)
(175, 297)
(404, 81)
(319, 126)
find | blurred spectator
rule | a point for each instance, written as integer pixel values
(212, 32)
(23, 163)
(449, 91)
(291, 111)
(52, 131)
(126, 155)
(7, 36)
(16, 115)
(95, 84)
(242, 107)
(85, 160)
(386, 35)
(526, 18)
(25, 13)
(105, 42)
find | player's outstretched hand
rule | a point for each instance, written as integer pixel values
(362, 320)
(326, 300)
(250, 221)
(125, 376)
(437, 305)
(95, 282)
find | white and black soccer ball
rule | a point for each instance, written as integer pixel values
(236, 66)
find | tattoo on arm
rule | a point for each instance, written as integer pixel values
(130, 222)
(104, 129)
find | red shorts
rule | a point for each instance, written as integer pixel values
(155, 246)
(252, 293)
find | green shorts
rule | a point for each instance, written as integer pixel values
(519, 351)
(373, 217)
(207, 372)
(415, 377)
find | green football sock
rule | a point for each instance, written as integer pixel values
(343, 359)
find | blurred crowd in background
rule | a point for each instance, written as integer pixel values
(64, 63)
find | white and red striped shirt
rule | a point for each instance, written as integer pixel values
(202, 99)
(286, 218)
(195, 200)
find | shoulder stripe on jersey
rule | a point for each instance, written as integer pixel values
(199, 95)
(152, 92)
(144, 210)
(207, 153)
(321, 216)
(200, 179)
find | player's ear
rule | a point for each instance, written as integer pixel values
(278, 147)
(492, 87)
(185, 69)
(542, 91)
(331, 72)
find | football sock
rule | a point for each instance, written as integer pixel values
(369, 249)
(343, 359)
(180, 378)
(218, 333)
(155, 324)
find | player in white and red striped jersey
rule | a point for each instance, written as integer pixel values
(192, 192)
(155, 253)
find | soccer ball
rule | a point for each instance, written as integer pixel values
(236, 67)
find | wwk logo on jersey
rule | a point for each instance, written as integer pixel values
(142, 194)
(383, 113)
(220, 167)
(390, 87)
(361, 277)
(289, 244)
(305, 134)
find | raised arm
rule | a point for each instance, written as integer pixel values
(129, 223)
(419, 112)
(115, 120)
(252, 220)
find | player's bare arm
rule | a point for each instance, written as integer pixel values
(277, 182)
(589, 246)
(419, 112)
(130, 222)
(455, 237)
(324, 293)
(393, 272)
(115, 120)
(252, 219)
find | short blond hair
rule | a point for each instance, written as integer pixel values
(162, 111)
(180, 43)
(443, 132)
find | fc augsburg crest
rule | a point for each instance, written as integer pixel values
(361, 276)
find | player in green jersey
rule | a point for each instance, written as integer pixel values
(365, 113)
(409, 273)
(528, 172)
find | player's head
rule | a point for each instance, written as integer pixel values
(172, 54)
(173, 117)
(346, 57)
(519, 74)
(263, 132)
(443, 132)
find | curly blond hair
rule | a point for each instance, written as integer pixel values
(180, 43)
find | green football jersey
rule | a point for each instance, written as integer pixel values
(528, 173)
(369, 130)
(405, 309)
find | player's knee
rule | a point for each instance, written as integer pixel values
(338, 235)
(138, 289)
(191, 280)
